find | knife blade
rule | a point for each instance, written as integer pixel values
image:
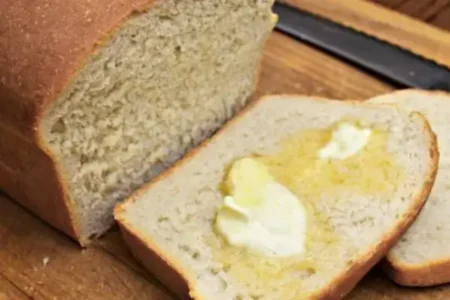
(386, 60)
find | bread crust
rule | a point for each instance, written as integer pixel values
(30, 176)
(421, 275)
(42, 48)
(430, 273)
(153, 258)
(406, 91)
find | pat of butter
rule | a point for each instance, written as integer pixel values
(261, 214)
(346, 141)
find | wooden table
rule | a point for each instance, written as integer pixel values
(40, 263)
(436, 12)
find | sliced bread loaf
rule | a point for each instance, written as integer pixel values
(353, 207)
(97, 97)
(422, 256)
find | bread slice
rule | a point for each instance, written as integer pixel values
(97, 97)
(422, 256)
(168, 223)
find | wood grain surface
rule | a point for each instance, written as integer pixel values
(388, 24)
(434, 12)
(9, 291)
(37, 262)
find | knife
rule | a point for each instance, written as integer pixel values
(386, 60)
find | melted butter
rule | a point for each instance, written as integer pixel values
(371, 170)
(297, 166)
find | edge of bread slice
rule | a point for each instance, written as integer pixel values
(188, 275)
(422, 255)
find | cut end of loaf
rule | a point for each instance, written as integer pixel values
(172, 215)
(166, 80)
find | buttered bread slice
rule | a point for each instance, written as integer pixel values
(296, 198)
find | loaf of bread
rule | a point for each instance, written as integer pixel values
(360, 172)
(422, 256)
(97, 97)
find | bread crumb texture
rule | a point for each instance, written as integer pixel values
(352, 204)
(298, 166)
(166, 80)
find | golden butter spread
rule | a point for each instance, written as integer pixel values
(361, 166)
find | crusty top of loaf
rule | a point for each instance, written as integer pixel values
(42, 45)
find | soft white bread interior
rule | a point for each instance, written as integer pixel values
(168, 224)
(167, 78)
(422, 256)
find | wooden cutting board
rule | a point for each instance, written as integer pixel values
(37, 262)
